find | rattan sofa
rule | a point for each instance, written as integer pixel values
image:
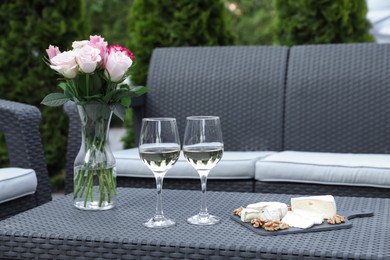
(20, 125)
(323, 99)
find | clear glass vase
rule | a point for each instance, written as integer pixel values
(94, 166)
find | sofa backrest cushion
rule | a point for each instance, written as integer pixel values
(242, 85)
(338, 98)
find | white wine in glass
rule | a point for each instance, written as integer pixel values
(203, 149)
(159, 149)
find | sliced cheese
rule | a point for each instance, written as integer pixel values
(324, 205)
(298, 221)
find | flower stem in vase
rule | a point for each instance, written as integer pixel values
(95, 172)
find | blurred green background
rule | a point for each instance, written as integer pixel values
(28, 27)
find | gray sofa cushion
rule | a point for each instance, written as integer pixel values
(16, 183)
(371, 170)
(337, 99)
(233, 165)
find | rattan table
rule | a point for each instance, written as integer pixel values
(57, 230)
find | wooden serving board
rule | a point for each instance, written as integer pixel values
(316, 228)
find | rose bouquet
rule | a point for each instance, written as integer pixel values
(93, 75)
(93, 72)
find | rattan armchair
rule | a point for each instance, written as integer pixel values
(20, 125)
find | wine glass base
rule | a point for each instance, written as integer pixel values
(204, 220)
(159, 222)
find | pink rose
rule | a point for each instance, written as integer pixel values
(98, 42)
(52, 51)
(117, 48)
(117, 63)
(87, 58)
(79, 44)
(65, 64)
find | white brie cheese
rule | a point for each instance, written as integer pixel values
(248, 214)
(272, 210)
(317, 219)
(324, 205)
(298, 221)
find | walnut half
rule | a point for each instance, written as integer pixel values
(237, 211)
(269, 225)
(258, 222)
(336, 219)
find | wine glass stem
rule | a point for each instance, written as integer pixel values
(203, 180)
(159, 183)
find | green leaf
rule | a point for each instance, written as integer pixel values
(119, 94)
(125, 86)
(97, 96)
(55, 100)
(108, 96)
(63, 86)
(120, 111)
(139, 90)
(126, 101)
(69, 92)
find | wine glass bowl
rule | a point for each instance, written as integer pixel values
(203, 149)
(159, 149)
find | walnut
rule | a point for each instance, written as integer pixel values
(238, 211)
(269, 225)
(336, 219)
(275, 225)
(258, 222)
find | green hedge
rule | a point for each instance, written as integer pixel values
(252, 21)
(27, 28)
(321, 21)
(108, 18)
(165, 23)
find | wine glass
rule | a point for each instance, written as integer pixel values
(203, 149)
(159, 149)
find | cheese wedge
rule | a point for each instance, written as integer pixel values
(317, 219)
(267, 210)
(298, 221)
(324, 205)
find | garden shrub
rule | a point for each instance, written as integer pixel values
(321, 21)
(108, 18)
(26, 29)
(252, 21)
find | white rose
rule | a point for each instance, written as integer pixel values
(65, 64)
(87, 58)
(79, 44)
(117, 65)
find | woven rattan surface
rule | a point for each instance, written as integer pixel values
(189, 184)
(57, 230)
(20, 125)
(318, 189)
(242, 85)
(337, 98)
(74, 143)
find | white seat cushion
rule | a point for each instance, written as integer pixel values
(372, 170)
(16, 183)
(233, 165)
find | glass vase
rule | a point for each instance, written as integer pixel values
(94, 166)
